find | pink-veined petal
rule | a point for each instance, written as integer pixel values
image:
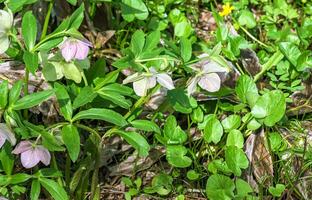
(191, 85)
(29, 158)
(82, 50)
(212, 66)
(210, 82)
(140, 87)
(22, 147)
(69, 49)
(43, 155)
(165, 80)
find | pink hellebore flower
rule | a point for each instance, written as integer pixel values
(206, 77)
(6, 134)
(74, 48)
(32, 154)
(144, 81)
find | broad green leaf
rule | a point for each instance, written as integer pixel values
(246, 90)
(31, 61)
(4, 91)
(183, 29)
(213, 130)
(136, 140)
(101, 114)
(152, 40)
(17, 5)
(253, 125)
(29, 30)
(277, 190)
(220, 187)
(85, 96)
(235, 138)
(291, 51)
(48, 45)
(32, 100)
(71, 71)
(186, 49)
(71, 139)
(236, 159)
(116, 98)
(132, 9)
(52, 71)
(72, 2)
(7, 159)
(15, 92)
(231, 122)
(35, 190)
(192, 175)
(173, 133)
(64, 101)
(146, 125)
(176, 156)
(76, 18)
(271, 107)
(247, 19)
(242, 188)
(76, 178)
(56, 191)
(137, 42)
(19, 178)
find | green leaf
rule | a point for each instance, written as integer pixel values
(64, 101)
(31, 61)
(173, 133)
(35, 190)
(192, 175)
(52, 71)
(152, 40)
(247, 19)
(183, 29)
(235, 138)
(186, 49)
(220, 187)
(253, 125)
(231, 122)
(101, 114)
(242, 188)
(15, 92)
(7, 159)
(116, 98)
(213, 130)
(137, 42)
(4, 91)
(17, 5)
(175, 155)
(32, 100)
(19, 178)
(146, 125)
(55, 190)
(49, 44)
(246, 90)
(236, 159)
(71, 139)
(291, 51)
(76, 18)
(29, 30)
(271, 107)
(75, 180)
(277, 190)
(136, 140)
(132, 9)
(70, 71)
(72, 2)
(85, 96)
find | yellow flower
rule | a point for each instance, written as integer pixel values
(227, 9)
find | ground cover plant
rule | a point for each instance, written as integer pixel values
(142, 99)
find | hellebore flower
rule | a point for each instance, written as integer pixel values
(32, 154)
(206, 77)
(2, 198)
(74, 48)
(6, 134)
(6, 23)
(147, 80)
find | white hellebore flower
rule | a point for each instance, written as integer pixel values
(6, 22)
(206, 77)
(147, 80)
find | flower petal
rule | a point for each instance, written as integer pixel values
(210, 82)
(6, 20)
(165, 80)
(43, 155)
(132, 78)
(4, 43)
(191, 85)
(22, 147)
(7, 133)
(29, 158)
(2, 140)
(69, 49)
(82, 50)
(212, 66)
(140, 87)
(151, 82)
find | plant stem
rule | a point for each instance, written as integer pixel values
(67, 170)
(46, 20)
